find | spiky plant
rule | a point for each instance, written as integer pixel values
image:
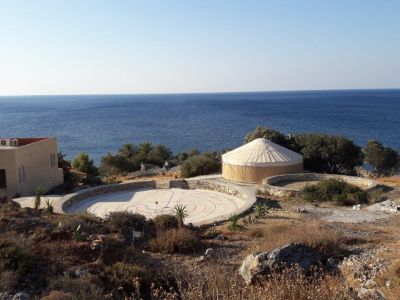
(260, 209)
(234, 222)
(49, 206)
(37, 198)
(180, 213)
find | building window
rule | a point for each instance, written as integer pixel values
(52, 160)
(21, 174)
(3, 179)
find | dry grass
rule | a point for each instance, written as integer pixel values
(181, 240)
(315, 234)
(215, 282)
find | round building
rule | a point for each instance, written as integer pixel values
(259, 159)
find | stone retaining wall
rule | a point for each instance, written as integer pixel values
(100, 190)
(272, 189)
(244, 193)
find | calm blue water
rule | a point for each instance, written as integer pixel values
(98, 124)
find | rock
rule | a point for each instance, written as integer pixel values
(220, 237)
(385, 206)
(80, 271)
(357, 207)
(301, 210)
(209, 252)
(288, 255)
(365, 294)
(4, 295)
(332, 263)
(21, 296)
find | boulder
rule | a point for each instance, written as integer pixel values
(289, 255)
(386, 206)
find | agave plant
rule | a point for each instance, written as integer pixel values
(49, 206)
(260, 209)
(180, 213)
(37, 199)
(234, 222)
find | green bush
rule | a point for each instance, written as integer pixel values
(267, 133)
(199, 165)
(84, 164)
(181, 240)
(384, 160)
(336, 191)
(326, 153)
(165, 221)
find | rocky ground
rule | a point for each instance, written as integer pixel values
(358, 247)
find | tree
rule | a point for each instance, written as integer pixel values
(383, 159)
(84, 164)
(327, 153)
(113, 164)
(128, 151)
(160, 154)
(267, 133)
(144, 150)
(199, 165)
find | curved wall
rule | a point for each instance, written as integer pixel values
(271, 188)
(243, 193)
(256, 174)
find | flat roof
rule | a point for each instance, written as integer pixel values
(21, 142)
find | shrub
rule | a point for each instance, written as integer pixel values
(267, 133)
(57, 295)
(384, 160)
(199, 165)
(85, 287)
(126, 280)
(15, 256)
(335, 190)
(181, 240)
(10, 206)
(165, 221)
(120, 220)
(84, 164)
(89, 224)
(234, 223)
(327, 153)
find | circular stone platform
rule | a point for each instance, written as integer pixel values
(203, 206)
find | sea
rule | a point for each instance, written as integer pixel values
(98, 124)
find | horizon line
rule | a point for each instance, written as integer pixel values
(200, 93)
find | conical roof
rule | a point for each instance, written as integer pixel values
(262, 153)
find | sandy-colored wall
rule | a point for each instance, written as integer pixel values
(256, 174)
(35, 158)
(7, 162)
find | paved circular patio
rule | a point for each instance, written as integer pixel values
(202, 206)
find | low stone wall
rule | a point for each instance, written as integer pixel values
(271, 188)
(101, 190)
(247, 195)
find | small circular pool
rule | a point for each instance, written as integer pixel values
(289, 185)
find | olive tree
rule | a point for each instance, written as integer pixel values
(266, 133)
(384, 160)
(328, 153)
(84, 164)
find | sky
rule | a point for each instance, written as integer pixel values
(168, 46)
